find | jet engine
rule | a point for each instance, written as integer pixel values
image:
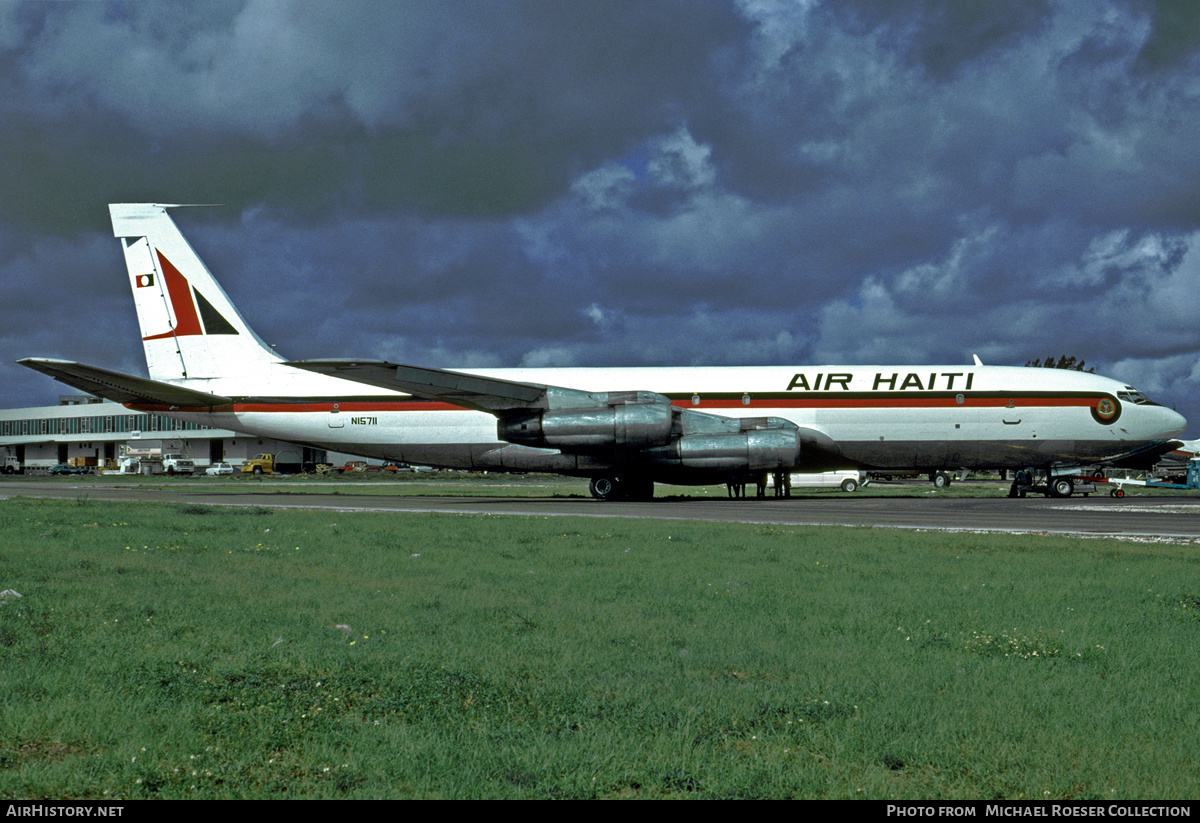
(744, 451)
(642, 434)
(636, 425)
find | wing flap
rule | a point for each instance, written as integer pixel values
(123, 388)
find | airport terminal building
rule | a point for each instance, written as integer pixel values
(87, 430)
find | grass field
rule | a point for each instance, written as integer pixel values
(159, 651)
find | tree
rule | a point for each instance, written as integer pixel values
(1065, 362)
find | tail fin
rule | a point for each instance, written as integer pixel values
(190, 329)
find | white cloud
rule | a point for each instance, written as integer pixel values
(551, 357)
(679, 162)
(606, 188)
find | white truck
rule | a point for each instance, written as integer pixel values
(177, 464)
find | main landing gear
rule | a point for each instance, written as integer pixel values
(612, 487)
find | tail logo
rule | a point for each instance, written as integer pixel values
(192, 316)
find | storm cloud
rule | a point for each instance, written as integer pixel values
(618, 183)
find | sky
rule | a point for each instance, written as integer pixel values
(457, 184)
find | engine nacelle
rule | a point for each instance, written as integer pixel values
(637, 425)
(745, 451)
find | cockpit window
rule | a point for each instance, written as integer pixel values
(1132, 395)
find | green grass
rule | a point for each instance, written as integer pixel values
(171, 652)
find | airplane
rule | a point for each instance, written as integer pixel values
(622, 428)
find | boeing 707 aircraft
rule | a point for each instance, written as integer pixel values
(626, 428)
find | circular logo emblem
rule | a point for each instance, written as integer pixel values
(1106, 409)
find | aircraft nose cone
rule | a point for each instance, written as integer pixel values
(1172, 423)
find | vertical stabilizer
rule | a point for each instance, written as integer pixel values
(190, 329)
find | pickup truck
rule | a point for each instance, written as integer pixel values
(178, 464)
(260, 464)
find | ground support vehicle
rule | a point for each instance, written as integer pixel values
(1190, 481)
(1058, 485)
(286, 462)
(124, 465)
(178, 464)
(259, 464)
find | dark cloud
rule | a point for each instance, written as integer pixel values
(1174, 39)
(463, 107)
(540, 183)
(943, 36)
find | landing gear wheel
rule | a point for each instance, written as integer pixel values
(1062, 487)
(602, 488)
(941, 480)
(622, 488)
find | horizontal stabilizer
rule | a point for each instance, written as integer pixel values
(123, 388)
(467, 390)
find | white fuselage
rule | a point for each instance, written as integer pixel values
(880, 417)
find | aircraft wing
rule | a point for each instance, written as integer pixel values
(572, 420)
(123, 388)
(466, 390)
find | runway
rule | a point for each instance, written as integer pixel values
(1166, 517)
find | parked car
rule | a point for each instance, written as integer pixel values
(66, 468)
(389, 466)
(352, 466)
(848, 480)
(219, 469)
